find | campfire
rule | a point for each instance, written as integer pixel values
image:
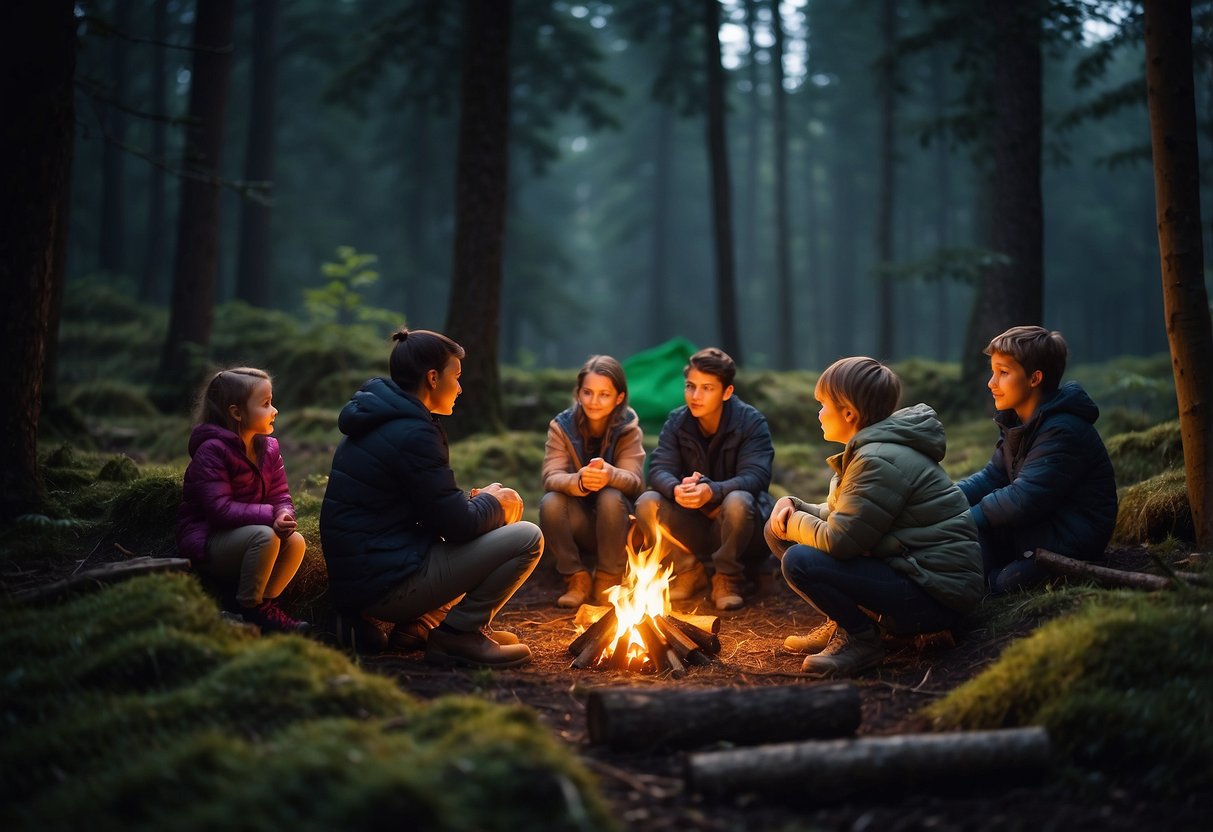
(639, 631)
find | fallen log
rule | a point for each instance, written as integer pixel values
(829, 770)
(101, 575)
(644, 718)
(1104, 576)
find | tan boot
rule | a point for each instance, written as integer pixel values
(603, 581)
(814, 641)
(689, 583)
(576, 589)
(726, 592)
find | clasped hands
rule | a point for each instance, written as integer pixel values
(692, 493)
(511, 503)
(284, 522)
(595, 475)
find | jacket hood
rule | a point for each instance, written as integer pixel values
(1069, 398)
(915, 427)
(379, 400)
(207, 431)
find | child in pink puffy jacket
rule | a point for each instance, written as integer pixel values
(237, 520)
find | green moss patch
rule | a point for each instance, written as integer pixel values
(1122, 685)
(1153, 510)
(1140, 455)
(139, 707)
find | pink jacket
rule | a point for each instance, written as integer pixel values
(224, 490)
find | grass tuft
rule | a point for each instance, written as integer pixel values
(1155, 509)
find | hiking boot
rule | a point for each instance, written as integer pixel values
(576, 589)
(814, 641)
(271, 618)
(726, 592)
(846, 655)
(474, 649)
(689, 583)
(412, 635)
(365, 635)
(603, 581)
(502, 637)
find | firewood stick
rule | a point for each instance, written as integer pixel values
(655, 646)
(1101, 575)
(708, 623)
(686, 649)
(677, 670)
(642, 718)
(605, 623)
(593, 649)
(619, 653)
(830, 770)
(707, 642)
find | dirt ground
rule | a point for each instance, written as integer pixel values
(648, 789)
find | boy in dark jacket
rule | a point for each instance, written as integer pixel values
(708, 481)
(1050, 483)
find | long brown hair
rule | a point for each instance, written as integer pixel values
(232, 386)
(603, 365)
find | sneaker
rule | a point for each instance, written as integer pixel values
(726, 592)
(814, 641)
(474, 649)
(270, 618)
(576, 589)
(361, 633)
(603, 581)
(689, 583)
(846, 655)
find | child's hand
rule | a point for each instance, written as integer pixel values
(284, 522)
(595, 475)
(780, 515)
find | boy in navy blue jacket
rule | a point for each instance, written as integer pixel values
(1050, 483)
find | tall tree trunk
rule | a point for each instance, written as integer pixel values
(151, 285)
(785, 357)
(943, 203)
(844, 253)
(113, 155)
(1013, 294)
(1173, 137)
(885, 334)
(54, 310)
(196, 267)
(37, 65)
(722, 211)
(474, 313)
(748, 248)
(256, 262)
(659, 276)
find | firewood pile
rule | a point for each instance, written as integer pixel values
(667, 643)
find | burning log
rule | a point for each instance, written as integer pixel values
(588, 646)
(706, 641)
(834, 769)
(710, 623)
(634, 718)
(687, 650)
(603, 623)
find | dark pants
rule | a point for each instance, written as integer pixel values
(597, 523)
(732, 536)
(838, 588)
(1006, 568)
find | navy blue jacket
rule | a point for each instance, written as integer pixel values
(737, 458)
(1050, 478)
(391, 495)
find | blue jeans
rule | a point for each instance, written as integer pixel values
(733, 534)
(1005, 566)
(838, 588)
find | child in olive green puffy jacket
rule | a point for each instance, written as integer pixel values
(894, 538)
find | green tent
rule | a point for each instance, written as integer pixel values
(655, 381)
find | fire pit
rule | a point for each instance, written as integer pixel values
(639, 632)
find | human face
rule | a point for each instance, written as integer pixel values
(1012, 387)
(838, 422)
(598, 398)
(257, 415)
(445, 387)
(705, 396)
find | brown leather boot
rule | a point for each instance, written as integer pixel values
(473, 649)
(576, 589)
(604, 581)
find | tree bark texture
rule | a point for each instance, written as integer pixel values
(646, 718)
(1102, 575)
(111, 256)
(1173, 137)
(196, 267)
(474, 313)
(832, 770)
(663, 174)
(37, 66)
(256, 261)
(151, 284)
(885, 328)
(785, 353)
(1012, 294)
(722, 208)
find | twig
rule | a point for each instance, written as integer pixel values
(633, 781)
(86, 557)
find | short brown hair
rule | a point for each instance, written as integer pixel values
(1035, 348)
(714, 362)
(863, 384)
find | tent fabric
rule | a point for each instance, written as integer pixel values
(655, 381)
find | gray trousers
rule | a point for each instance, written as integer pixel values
(259, 561)
(480, 575)
(597, 523)
(732, 536)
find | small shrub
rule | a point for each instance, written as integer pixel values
(119, 469)
(1152, 510)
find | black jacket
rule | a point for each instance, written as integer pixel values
(391, 495)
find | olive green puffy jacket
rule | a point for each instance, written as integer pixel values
(890, 499)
